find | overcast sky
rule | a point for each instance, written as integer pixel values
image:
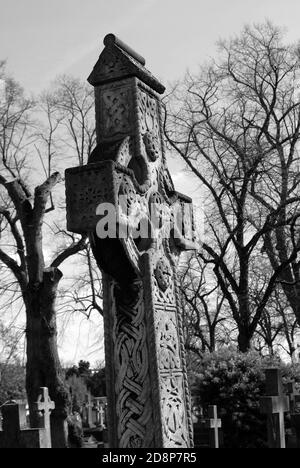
(44, 38)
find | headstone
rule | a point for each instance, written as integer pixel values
(88, 411)
(75, 430)
(213, 424)
(99, 410)
(295, 423)
(15, 431)
(275, 404)
(294, 397)
(138, 225)
(207, 428)
(45, 406)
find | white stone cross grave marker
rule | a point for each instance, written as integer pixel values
(213, 423)
(44, 405)
(17, 434)
(101, 416)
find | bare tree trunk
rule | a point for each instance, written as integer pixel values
(43, 366)
(244, 340)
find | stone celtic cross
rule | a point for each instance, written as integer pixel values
(138, 225)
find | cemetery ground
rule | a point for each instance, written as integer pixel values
(238, 401)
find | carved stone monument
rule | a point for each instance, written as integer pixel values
(148, 227)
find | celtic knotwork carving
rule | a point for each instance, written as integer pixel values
(174, 418)
(133, 213)
(166, 297)
(167, 338)
(163, 274)
(86, 187)
(135, 442)
(149, 120)
(132, 386)
(125, 152)
(128, 191)
(157, 210)
(152, 146)
(116, 111)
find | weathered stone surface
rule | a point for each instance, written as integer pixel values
(88, 411)
(45, 406)
(294, 397)
(275, 404)
(148, 395)
(207, 428)
(15, 431)
(99, 412)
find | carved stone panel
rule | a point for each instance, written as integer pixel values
(163, 282)
(86, 188)
(115, 105)
(175, 432)
(148, 114)
(168, 354)
(131, 365)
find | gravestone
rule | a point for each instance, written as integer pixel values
(207, 428)
(213, 424)
(275, 404)
(45, 406)
(294, 397)
(138, 225)
(88, 411)
(15, 431)
(99, 412)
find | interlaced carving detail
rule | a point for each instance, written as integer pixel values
(86, 189)
(173, 409)
(148, 112)
(167, 338)
(116, 111)
(163, 284)
(128, 191)
(132, 386)
(163, 274)
(152, 146)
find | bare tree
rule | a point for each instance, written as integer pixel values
(278, 327)
(236, 125)
(206, 319)
(27, 211)
(85, 294)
